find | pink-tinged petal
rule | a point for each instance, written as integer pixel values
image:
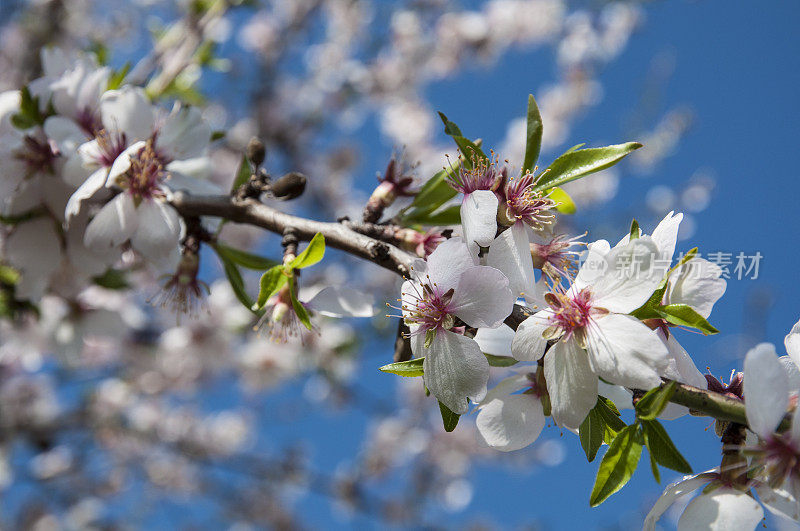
(479, 218)
(158, 234)
(792, 343)
(343, 302)
(482, 297)
(665, 235)
(698, 284)
(626, 352)
(510, 423)
(594, 265)
(127, 111)
(184, 135)
(34, 248)
(87, 190)
(495, 341)
(571, 383)
(671, 494)
(116, 222)
(723, 509)
(511, 253)
(631, 277)
(766, 389)
(446, 263)
(528, 343)
(455, 369)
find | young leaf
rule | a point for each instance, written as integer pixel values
(654, 401)
(271, 281)
(661, 447)
(242, 174)
(635, 232)
(653, 464)
(613, 424)
(449, 419)
(245, 259)
(500, 361)
(564, 202)
(112, 279)
(533, 140)
(312, 254)
(118, 76)
(405, 368)
(436, 191)
(591, 434)
(617, 465)
(298, 307)
(685, 315)
(576, 164)
(446, 216)
(29, 114)
(469, 149)
(237, 284)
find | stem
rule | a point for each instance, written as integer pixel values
(339, 236)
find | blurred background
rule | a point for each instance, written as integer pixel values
(112, 416)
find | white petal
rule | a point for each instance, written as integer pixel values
(570, 382)
(626, 352)
(123, 162)
(621, 397)
(115, 223)
(794, 430)
(781, 501)
(510, 423)
(681, 366)
(343, 302)
(594, 265)
(479, 218)
(190, 176)
(446, 263)
(665, 235)
(792, 343)
(511, 253)
(672, 493)
(631, 278)
(184, 135)
(792, 371)
(455, 369)
(528, 343)
(698, 284)
(128, 111)
(482, 297)
(495, 341)
(766, 389)
(65, 133)
(508, 386)
(87, 190)
(158, 234)
(34, 248)
(723, 509)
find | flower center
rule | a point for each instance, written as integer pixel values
(430, 309)
(482, 176)
(782, 459)
(522, 202)
(571, 315)
(109, 147)
(146, 174)
(38, 155)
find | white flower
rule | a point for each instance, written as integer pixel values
(596, 337)
(448, 286)
(479, 206)
(511, 417)
(718, 507)
(510, 253)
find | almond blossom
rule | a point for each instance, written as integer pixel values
(479, 205)
(449, 286)
(595, 337)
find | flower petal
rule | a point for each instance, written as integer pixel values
(158, 233)
(495, 341)
(571, 383)
(479, 218)
(698, 284)
(665, 235)
(631, 277)
(681, 366)
(343, 302)
(624, 351)
(511, 253)
(528, 343)
(115, 223)
(723, 509)
(766, 389)
(127, 110)
(674, 491)
(34, 248)
(593, 266)
(454, 369)
(65, 133)
(184, 135)
(87, 190)
(511, 422)
(482, 297)
(445, 264)
(792, 343)
(782, 501)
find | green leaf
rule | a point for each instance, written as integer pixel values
(618, 464)
(112, 279)
(242, 174)
(299, 309)
(312, 254)
(661, 447)
(29, 114)
(685, 315)
(500, 361)
(635, 231)
(469, 149)
(217, 135)
(237, 283)
(564, 202)
(436, 191)
(610, 415)
(117, 77)
(574, 148)
(446, 216)
(533, 140)
(449, 419)
(591, 434)
(245, 259)
(653, 464)
(405, 368)
(271, 281)
(576, 164)
(654, 401)
(8, 275)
